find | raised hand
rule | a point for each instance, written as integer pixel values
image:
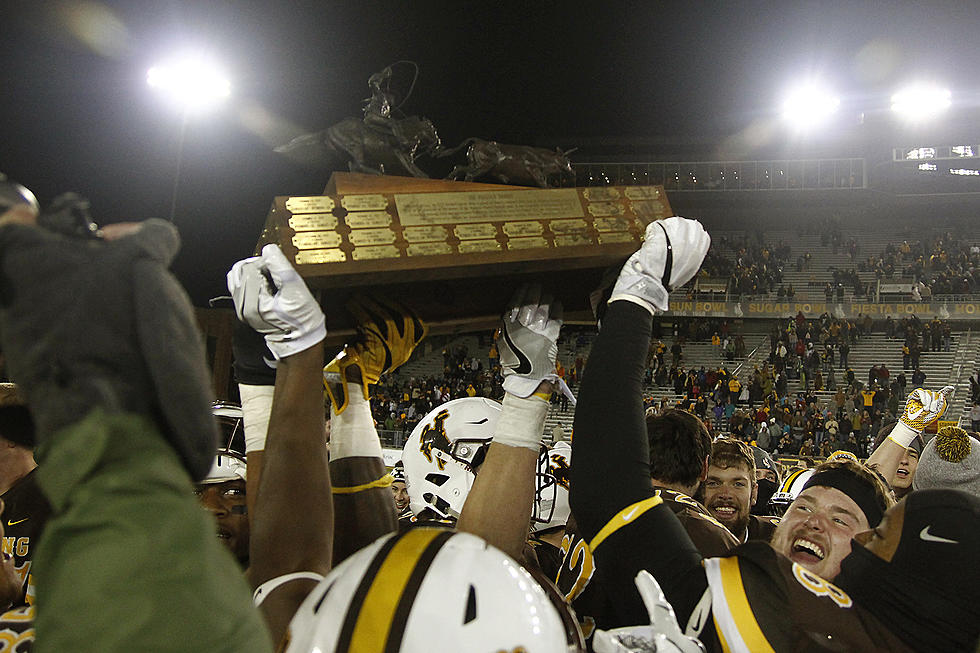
(388, 333)
(529, 343)
(670, 256)
(273, 299)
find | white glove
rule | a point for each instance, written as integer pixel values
(670, 256)
(529, 342)
(663, 633)
(273, 299)
(922, 408)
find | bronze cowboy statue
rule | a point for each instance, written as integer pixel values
(385, 141)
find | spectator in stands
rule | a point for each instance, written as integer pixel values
(918, 377)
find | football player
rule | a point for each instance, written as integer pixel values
(222, 493)
(901, 464)
(840, 499)
(400, 492)
(731, 489)
(909, 584)
(27, 509)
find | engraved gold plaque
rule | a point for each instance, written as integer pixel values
(519, 229)
(375, 252)
(364, 202)
(605, 208)
(424, 234)
(470, 246)
(568, 226)
(648, 207)
(612, 224)
(362, 237)
(642, 192)
(317, 204)
(572, 239)
(594, 194)
(487, 206)
(429, 249)
(455, 251)
(313, 222)
(471, 231)
(316, 239)
(368, 219)
(618, 237)
(314, 256)
(533, 242)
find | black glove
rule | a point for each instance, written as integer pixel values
(86, 323)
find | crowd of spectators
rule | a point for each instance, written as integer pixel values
(755, 268)
(944, 264)
(831, 407)
(400, 401)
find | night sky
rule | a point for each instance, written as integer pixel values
(77, 113)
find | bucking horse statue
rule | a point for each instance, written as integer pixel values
(384, 142)
(371, 149)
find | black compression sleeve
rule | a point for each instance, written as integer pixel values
(611, 471)
(609, 429)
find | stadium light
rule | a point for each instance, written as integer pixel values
(921, 101)
(809, 105)
(192, 80)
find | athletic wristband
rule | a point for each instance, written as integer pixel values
(902, 435)
(521, 421)
(384, 481)
(256, 409)
(635, 300)
(352, 432)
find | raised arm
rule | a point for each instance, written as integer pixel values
(611, 495)
(364, 509)
(498, 508)
(292, 526)
(922, 408)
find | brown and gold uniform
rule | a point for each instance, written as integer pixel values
(26, 510)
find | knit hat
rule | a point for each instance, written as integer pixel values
(398, 472)
(764, 461)
(950, 460)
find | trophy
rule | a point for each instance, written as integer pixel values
(456, 251)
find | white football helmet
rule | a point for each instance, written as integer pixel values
(228, 466)
(427, 590)
(551, 508)
(788, 491)
(663, 635)
(229, 417)
(443, 451)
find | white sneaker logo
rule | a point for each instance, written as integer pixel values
(925, 535)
